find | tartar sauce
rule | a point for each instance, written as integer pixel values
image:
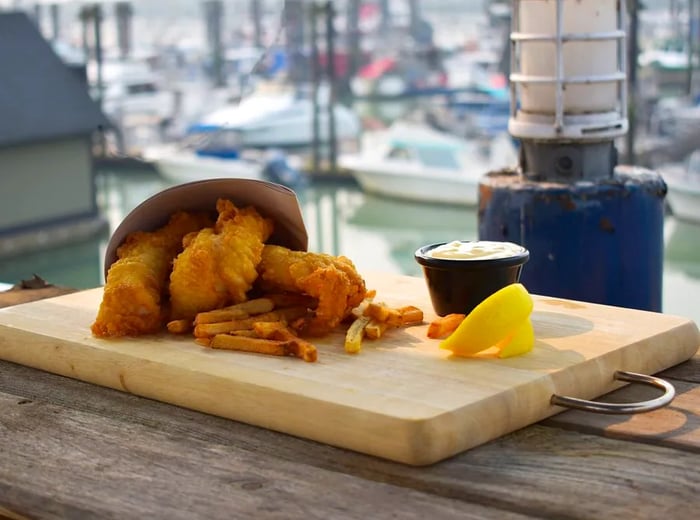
(478, 250)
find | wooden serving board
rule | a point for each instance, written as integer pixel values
(401, 398)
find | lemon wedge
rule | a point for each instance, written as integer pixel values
(519, 342)
(491, 322)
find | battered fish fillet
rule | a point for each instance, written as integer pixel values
(218, 266)
(137, 283)
(333, 280)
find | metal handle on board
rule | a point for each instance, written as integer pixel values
(622, 408)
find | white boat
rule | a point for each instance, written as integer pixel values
(178, 165)
(280, 120)
(219, 154)
(683, 182)
(132, 93)
(414, 162)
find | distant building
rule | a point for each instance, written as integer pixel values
(47, 124)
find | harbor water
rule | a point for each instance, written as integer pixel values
(378, 234)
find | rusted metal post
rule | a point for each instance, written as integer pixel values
(330, 72)
(55, 15)
(315, 80)
(256, 15)
(295, 17)
(97, 25)
(124, 13)
(353, 33)
(214, 12)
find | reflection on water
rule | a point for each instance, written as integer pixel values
(681, 290)
(404, 226)
(378, 234)
(683, 247)
(78, 266)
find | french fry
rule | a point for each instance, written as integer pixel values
(219, 316)
(209, 330)
(410, 315)
(270, 347)
(301, 348)
(204, 330)
(235, 312)
(179, 326)
(278, 330)
(266, 329)
(375, 329)
(443, 326)
(245, 332)
(360, 309)
(355, 333)
(299, 324)
(377, 311)
(204, 342)
(395, 317)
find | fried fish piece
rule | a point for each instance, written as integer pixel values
(135, 291)
(333, 280)
(218, 265)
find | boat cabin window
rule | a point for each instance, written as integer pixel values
(141, 88)
(438, 158)
(399, 152)
(213, 141)
(222, 140)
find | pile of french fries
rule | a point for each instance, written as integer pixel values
(267, 325)
(263, 325)
(372, 320)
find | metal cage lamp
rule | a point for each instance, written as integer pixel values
(568, 86)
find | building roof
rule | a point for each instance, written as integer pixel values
(40, 97)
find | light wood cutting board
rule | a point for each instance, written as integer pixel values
(402, 398)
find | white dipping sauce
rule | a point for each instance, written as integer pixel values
(478, 250)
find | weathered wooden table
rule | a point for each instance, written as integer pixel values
(69, 449)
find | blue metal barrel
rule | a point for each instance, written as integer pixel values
(598, 242)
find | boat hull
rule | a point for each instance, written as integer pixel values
(430, 186)
(684, 201)
(181, 167)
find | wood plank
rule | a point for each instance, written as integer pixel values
(676, 425)
(87, 451)
(18, 295)
(434, 404)
(6, 514)
(687, 371)
(67, 464)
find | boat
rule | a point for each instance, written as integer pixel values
(481, 95)
(219, 154)
(390, 78)
(132, 93)
(253, 138)
(414, 162)
(186, 161)
(279, 120)
(683, 183)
